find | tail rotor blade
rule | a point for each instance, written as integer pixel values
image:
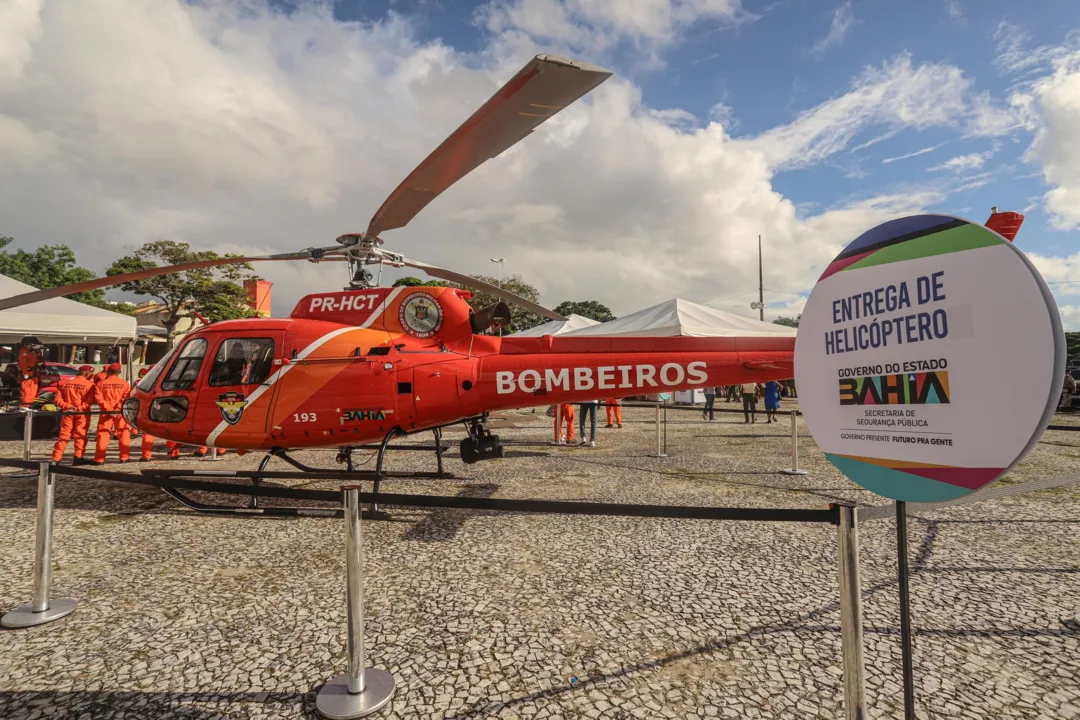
(473, 283)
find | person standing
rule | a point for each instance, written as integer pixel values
(614, 411)
(30, 362)
(75, 395)
(564, 415)
(749, 401)
(147, 445)
(111, 393)
(589, 406)
(710, 399)
(1067, 390)
(772, 400)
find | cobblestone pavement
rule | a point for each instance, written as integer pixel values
(483, 614)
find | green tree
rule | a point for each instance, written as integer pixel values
(47, 267)
(585, 308)
(413, 281)
(215, 293)
(520, 319)
(1072, 345)
(788, 322)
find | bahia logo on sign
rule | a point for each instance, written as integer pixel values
(929, 358)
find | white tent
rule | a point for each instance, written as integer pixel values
(682, 318)
(557, 327)
(59, 321)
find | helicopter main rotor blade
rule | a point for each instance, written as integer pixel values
(541, 89)
(110, 280)
(473, 283)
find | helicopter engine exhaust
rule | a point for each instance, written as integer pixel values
(492, 315)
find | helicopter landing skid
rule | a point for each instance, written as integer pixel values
(345, 456)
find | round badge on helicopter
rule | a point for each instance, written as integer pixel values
(421, 315)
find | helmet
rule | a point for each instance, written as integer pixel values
(143, 371)
(115, 367)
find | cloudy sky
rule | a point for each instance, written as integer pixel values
(254, 126)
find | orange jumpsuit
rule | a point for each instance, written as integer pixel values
(147, 446)
(28, 367)
(564, 414)
(73, 395)
(111, 393)
(614, 410)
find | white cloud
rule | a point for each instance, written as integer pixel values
(1016, 57)
(242, 129)
(595, 25)
(897, 94)
(1056, 105)
(956, 13)
(843, 18)
(965, 163)
(916, 153)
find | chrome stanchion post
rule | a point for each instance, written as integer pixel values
(659, 449)
(851, 629)
(794, 469)
(28, 434)
(362, 690)
(41, 609)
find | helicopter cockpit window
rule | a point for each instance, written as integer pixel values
(185, 370)
(243, 361)
(146, 384)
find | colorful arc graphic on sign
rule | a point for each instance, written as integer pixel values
(928, 358)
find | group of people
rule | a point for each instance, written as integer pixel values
(750, 393)
(564, 417)
(78, 395)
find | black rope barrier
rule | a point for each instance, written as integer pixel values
(701, 408)
(830, 515)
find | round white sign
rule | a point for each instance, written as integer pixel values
(929, 358)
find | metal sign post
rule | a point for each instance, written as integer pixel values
(794, 469)
(851, 630)
(905, 610)
(41, 609)
(362, 690)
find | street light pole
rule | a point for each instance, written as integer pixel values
(499, 262)
(761, 283)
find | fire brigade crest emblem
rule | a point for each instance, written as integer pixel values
(421, 315)
(232, 406)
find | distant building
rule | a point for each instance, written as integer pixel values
(258, 294)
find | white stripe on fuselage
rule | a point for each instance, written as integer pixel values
(269, 383)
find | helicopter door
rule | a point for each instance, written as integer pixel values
(175, 402)
(237, 388)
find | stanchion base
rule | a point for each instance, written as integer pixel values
(795, 471)
(24, 615)
(657, 455)
(335, 701)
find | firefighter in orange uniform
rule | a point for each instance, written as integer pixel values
(30, 362)
(174, 450)
(111, 394)
(147, 438)
(564, 414)
(74, 394)
(614, 412)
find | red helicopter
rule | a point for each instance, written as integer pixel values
(366, 364)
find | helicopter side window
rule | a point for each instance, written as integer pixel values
(242, 361)
(185, 370)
